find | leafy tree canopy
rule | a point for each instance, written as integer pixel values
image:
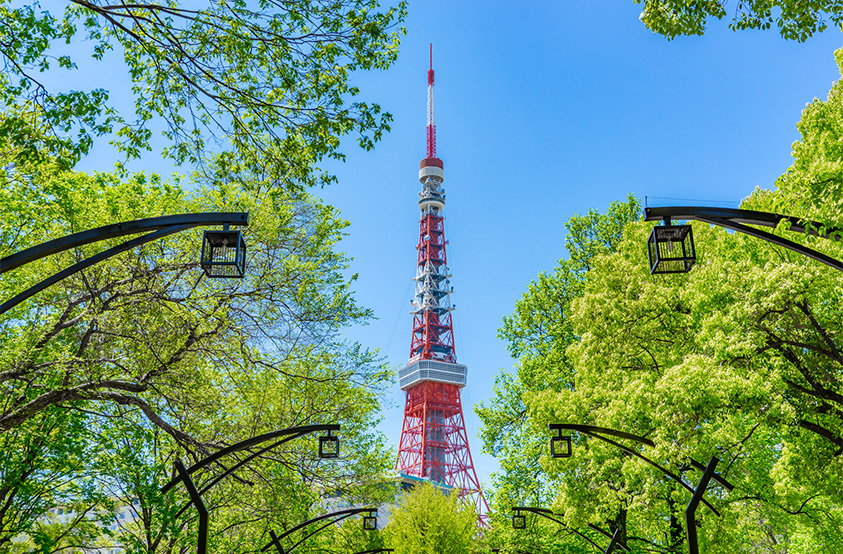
(795, 19)
(265, 83)
(738, 359)
(428, 520)
(109, 375)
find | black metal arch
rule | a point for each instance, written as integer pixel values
(291, 433)
(597, 433)
(155, 227)
(182, 474)
(343, 514)
(737, 220)
(548, 514)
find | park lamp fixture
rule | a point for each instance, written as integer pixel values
(519, 520)
(370, 522)
(671, 248)
(329, 446)
(560, 447)
(223, 254)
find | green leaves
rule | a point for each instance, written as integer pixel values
(140, 359)
(738, 359)
(428, 520)
(795, 19)
(268, 82)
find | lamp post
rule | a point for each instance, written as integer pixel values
(223, 252)
(696, 492)
(519, 521)
(279, 437)
(671, 247)
(370, 523)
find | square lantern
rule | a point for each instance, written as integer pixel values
(223, 254)
(671, 249)
(519, 521)
(560, 447)
(370, 522)
(329, 446)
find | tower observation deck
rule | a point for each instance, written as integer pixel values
(434, 443)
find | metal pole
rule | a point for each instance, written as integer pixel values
(276, 542)
(202, 540)
(690, 511)
(616, 538)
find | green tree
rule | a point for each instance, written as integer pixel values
(428, 520)
(110, 374)
(737, 359)
(538, 334)
(266, 83)
(794, 19)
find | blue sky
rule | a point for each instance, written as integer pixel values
(543, 110)
(546, 109)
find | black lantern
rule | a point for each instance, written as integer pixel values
(519, 521)
(370, 522)
(223, 254)
(671, 249)
(560, 447)
(329, 446)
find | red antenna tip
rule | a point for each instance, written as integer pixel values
(430, 72)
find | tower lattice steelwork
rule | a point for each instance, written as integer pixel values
(434, 444)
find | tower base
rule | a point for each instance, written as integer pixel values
(434, 444)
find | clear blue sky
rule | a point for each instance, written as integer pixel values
(543, 110)
(546, 109)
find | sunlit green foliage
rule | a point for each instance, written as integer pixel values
(738, 359)
(109, 375)
(428, 520)
(266, 82)
(794, 19)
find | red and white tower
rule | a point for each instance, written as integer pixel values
(434, 444)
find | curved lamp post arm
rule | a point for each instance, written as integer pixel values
(292, 432)
(584, 429)
(548, 514)
(182, 474)
(155, 227)
(318, 529)
(301, 431)
(276, 539)
(737, 220)
(596, 432)
(697, 493)
(119, 230)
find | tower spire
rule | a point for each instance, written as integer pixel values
(431, 124)
(434, 443)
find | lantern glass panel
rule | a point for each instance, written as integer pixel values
(329, 446)
(560, 447)
(370, 523)
(223, 254)
(671, 249)
(519, 521)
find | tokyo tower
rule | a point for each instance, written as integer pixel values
(434, 444)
